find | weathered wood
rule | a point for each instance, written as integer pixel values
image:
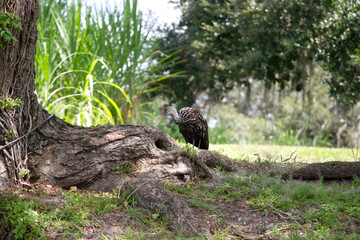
(327, 170)
(71, 155)
(213, 160)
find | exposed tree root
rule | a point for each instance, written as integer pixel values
(327, 170)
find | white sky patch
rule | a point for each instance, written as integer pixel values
(162, 11)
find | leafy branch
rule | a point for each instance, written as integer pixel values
(7, 20)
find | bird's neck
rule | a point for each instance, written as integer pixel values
(175, 116)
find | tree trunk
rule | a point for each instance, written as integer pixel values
(339, 132)
(265, 100)
(17, 74)
(247, 105)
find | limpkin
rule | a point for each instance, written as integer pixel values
(192, 125)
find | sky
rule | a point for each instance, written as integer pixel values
(163, 11)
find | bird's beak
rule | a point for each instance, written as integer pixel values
(158, 121)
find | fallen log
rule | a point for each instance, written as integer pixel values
(327, 170)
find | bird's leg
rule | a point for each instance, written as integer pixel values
(199, 144)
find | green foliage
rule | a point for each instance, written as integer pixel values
(223, 44)
(189, 148)
(32, 219)
(235, 43)
(292, 157)
(355, 154)
(124, 168)
(82, 204)
(95, 66)
(11, 133)
(235, 128)
(9, 103)
(206, 198)
(339, 50)
(19, 217)
(7, 21)
(281, 119)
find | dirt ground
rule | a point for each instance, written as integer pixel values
(237, 217)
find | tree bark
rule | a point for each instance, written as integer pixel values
(71, 155)
(17, 74)
(339, 132)
(328, 170)
(247, 105)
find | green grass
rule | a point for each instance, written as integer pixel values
(33, 217)
(321, 210)
(278, 153)
(37, 215)
(318, 210)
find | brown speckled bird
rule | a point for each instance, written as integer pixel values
(192, 125)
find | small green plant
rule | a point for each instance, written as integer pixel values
(123, 168)
(289, 158)
(221, 234)
(259, 159)
(24, 173)
(21, 217)
(189, 148)
(11, 133)
(9, 103)
(128, 199)
(202, 205)
(356, 182)
(218, 168)
(355, 154)
(8, 20)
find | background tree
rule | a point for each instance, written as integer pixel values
(229, 42)
(277, 51)
(338, 41)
